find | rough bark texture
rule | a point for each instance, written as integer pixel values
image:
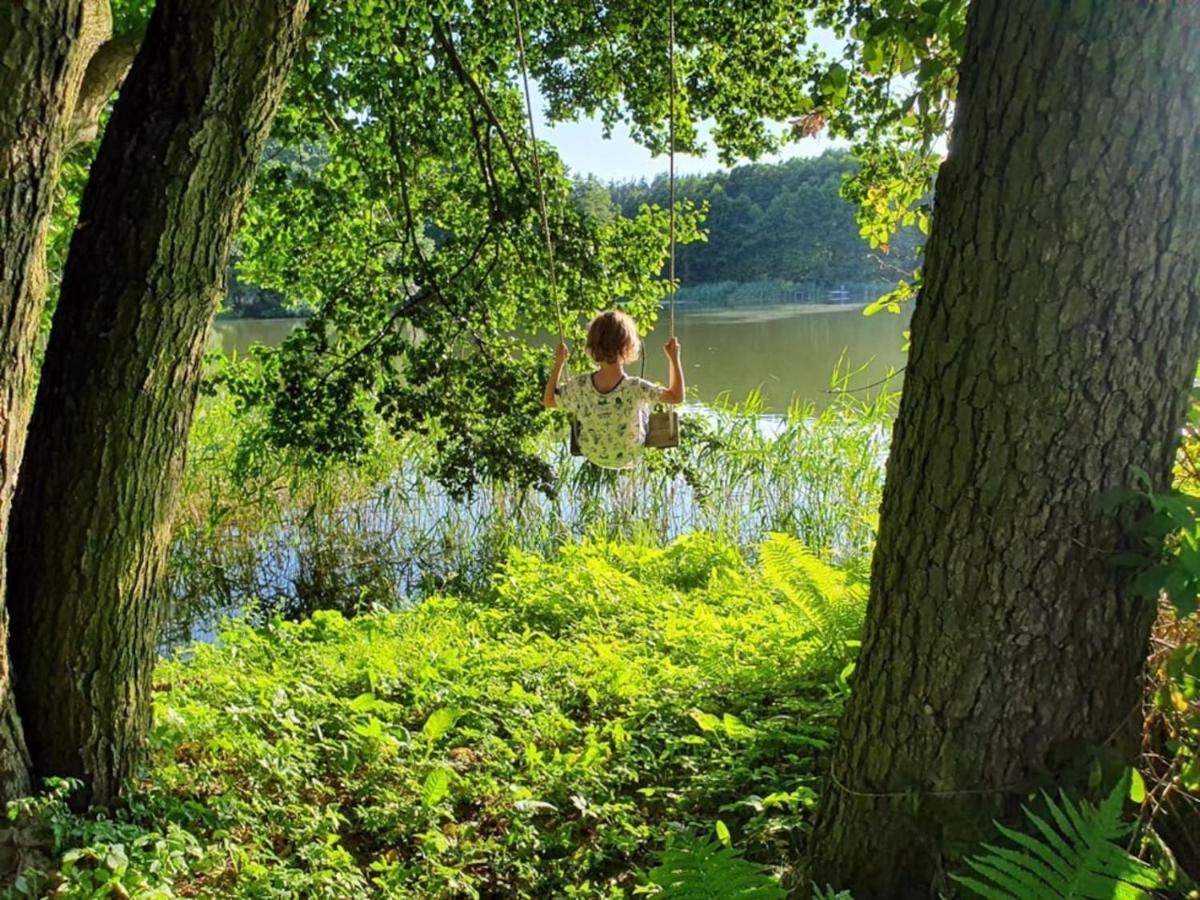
(44, 49)
(1053, 343)
(105, 72)
(99, 484)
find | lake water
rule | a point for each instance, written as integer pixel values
(788, 352)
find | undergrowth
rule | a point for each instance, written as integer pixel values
(544, 737)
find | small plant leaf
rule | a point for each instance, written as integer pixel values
(435, 787)
(723, 834)
(440, 722)
(1137, 787)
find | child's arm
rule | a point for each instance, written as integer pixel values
(675, 389)
(560, 359)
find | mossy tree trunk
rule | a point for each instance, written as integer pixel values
(44, 51)
(1053, 345)
(99, 484)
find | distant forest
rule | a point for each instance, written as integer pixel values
(770, 226)
(766, 222)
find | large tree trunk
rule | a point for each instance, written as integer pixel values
(99, 484)
(44, 49)
(1053, 343)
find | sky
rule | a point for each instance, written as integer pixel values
(583, 147)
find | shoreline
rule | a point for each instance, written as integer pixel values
(769, 310)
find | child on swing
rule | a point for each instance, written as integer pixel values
(612, 408)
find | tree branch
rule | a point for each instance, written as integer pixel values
(105, 73)
(466, 79)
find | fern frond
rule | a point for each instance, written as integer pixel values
(1073, 854)
(693, 869)
(821, 593)
(828, 893)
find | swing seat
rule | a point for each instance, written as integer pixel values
(662, 432)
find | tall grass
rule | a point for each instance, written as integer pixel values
(262, 536)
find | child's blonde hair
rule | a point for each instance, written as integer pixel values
(613, 338)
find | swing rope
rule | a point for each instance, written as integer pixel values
(671, 89)
(537, 172)
(671, 154)
(540, 183)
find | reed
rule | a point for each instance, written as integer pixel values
(264, 537)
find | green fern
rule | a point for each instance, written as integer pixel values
(822, 594)
(1075, 855)
(828, 893)
(694, 869)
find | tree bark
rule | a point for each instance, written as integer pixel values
(99, 485)
(106, 70)
(44, 49)
(1053, 344)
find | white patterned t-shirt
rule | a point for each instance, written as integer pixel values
(612, 424)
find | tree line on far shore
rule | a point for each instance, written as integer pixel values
(767, 224)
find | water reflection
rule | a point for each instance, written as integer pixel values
(788, 352)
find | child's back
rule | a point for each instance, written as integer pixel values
(610, 408)
(611, 425)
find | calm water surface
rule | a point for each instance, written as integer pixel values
(787, 352)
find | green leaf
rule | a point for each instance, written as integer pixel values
(736, 728)
(372, 728)
(435, 787)
(691, 869)
(706, 721)
(723, 833)
(1077, 856)
(1137, 787)
(440, 722)
(1012, 877)
(534, 806)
